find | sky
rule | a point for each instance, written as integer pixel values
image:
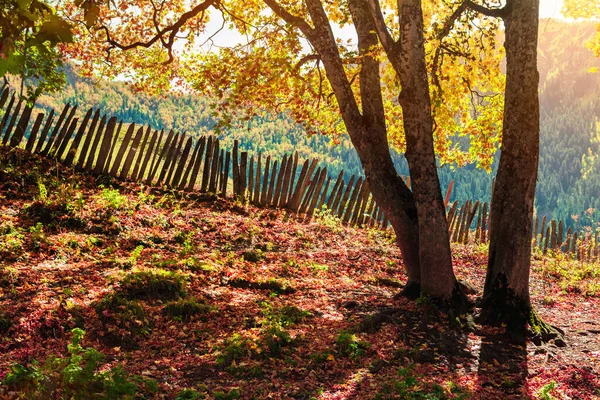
(548, 9)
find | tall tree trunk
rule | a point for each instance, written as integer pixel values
(437, 276)
(506, 291)
(392, 194)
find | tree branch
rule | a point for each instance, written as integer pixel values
(293, 20)
(171, 30)
(385, 38)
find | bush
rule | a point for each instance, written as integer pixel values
(186, 308)
(76, 377)
(154, 284)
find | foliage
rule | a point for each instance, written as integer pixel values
(546, 390)
(186, 308)
(30, 32)
(409, 386)
(77, 376)
(124, 318)
(349, 345)
(154, 284)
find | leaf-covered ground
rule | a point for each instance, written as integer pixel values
(233, 301)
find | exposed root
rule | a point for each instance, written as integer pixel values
(411, 291)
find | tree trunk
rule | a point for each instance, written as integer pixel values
(506, 291)
(437, 277)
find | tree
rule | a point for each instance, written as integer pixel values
(585, 9)
(445, 65)
(30, 32)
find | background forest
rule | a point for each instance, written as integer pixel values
(568, 181)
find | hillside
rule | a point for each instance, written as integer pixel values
(570, 107)
(207, 298)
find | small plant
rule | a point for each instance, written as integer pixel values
(349, 345)
(76, 376)
(112, 199)
(285, 316)
(236, 348)
(409, 386)
(135, 254)
(154, 284)
(37, 235)
(546, 390)
(42, 191)
(274, 339)
(328, 219)
(186, 308)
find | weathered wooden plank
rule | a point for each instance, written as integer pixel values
(559, 238)
(184, 181)
(133, 149)
(546, 243)
(324, 194)
(32, 136)
(44, 134)
(17, 137)
(4, 96)
(367, 218)
(96, 144)
(272, 183)
(182, 162)
(105, 146)
(265, 182)
(68, 133)
(158, 150)
(335, 190)
(277, 193)
(366, 191)
(485, 224)
(75, 144)
(236, 169)
(352, 200)
(342, 206)
(197, 164)
(142, 151)
(293, 176)
(256, 197)
(124, 146)
(63, 135)
(251, 180)
(166, 155)
(354, 214)
(56, 129)
(88, 140)
(470, 222)
(242, 172)
(225, 174)
(310, 188)
(214, 173)
(221, 171)
(301, 185)
(287, 181)
(458, 224)
(207, 164)
(542, 231)
(7, 114)
(11, 123)
(113, 146)
(338, 198)
(175, 158)
(317, 192)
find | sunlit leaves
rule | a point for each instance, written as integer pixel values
(276, 70)
(586, 9)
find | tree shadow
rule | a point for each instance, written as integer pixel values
(503, 370)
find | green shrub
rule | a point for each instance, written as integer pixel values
(186, 308)
(112, 199)
(231, 395)
(409, 386)
(154, 284)
(274, 339)
(76, 377)
(236, 348)
(349, 345)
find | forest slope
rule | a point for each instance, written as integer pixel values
(232, 301)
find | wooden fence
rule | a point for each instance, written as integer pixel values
(97, 144)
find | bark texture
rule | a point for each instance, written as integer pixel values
(506, 292)
(437, 276)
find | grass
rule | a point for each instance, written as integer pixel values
(185, 309)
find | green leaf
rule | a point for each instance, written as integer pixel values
(55, 30)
